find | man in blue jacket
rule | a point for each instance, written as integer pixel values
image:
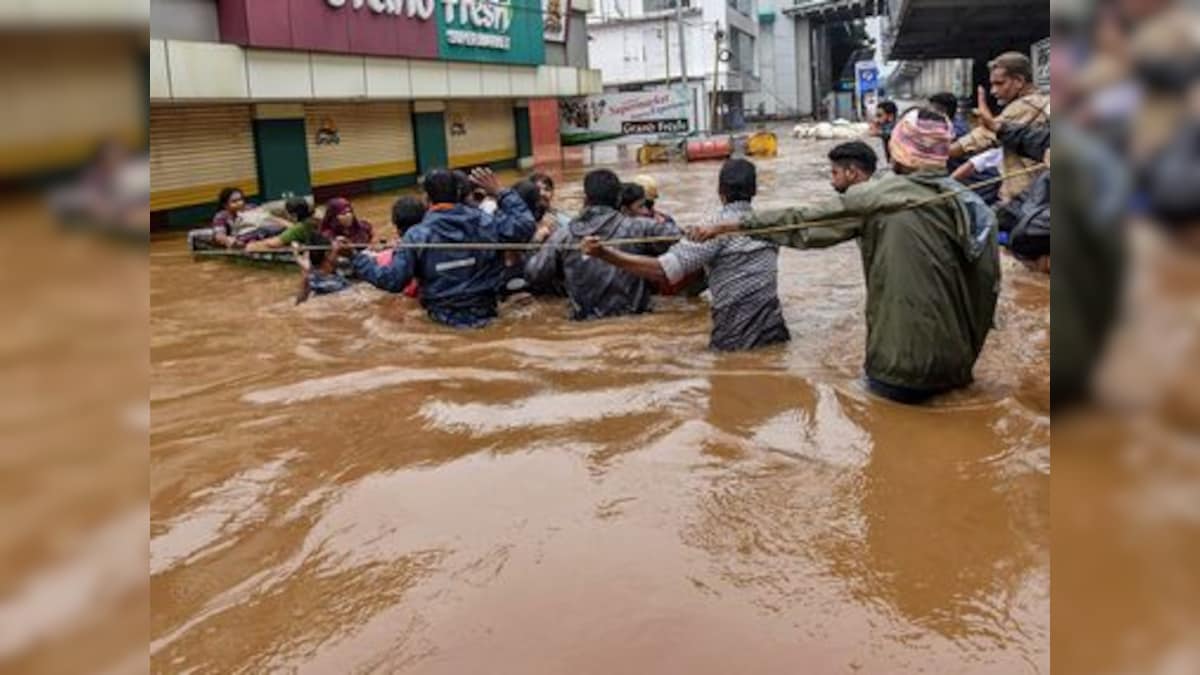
(458, 286)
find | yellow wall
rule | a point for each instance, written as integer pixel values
(197, 150)
(488, 134)
(375, 139)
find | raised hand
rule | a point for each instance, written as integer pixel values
(986, 118)
(485, 179)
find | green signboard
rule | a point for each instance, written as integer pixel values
(492, 31)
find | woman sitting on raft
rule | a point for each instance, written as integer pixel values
(227, 220)
(237, 223)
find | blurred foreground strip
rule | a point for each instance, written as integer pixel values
(74, 374)
(1126, 339)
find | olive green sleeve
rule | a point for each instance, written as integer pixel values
(847, 226)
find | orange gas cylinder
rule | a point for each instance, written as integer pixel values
(710, 148)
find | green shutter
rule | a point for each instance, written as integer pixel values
(282, 158)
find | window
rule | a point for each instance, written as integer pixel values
(741, 49)
(743, 6)
(661, 5)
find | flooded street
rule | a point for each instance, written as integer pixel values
(343, 486)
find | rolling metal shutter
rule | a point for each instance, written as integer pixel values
(480, 132)
(197, 150)
(358, 141)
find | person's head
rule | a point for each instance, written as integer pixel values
(850, 164)
(633, 199)
(1011, 76)
(601, 187)
(944, 102)
(319, 257)
(231, 199)
(531, 194)
(545, 184)
(339, 212)
(921, 141)
(467, 194)
(298, 208)
(441, 187)
(886, 111)
(651, 187)
(738, 181)
(406, 212)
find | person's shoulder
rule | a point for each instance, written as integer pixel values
(419, 232)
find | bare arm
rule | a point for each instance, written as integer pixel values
(305, 267)
(268, 244)
(963, 173)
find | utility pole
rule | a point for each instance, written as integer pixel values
(683, 78)
(666, 33)
(714, 121)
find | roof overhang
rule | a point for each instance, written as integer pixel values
(830, 11)
(948, 29)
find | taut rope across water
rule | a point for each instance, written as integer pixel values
(532, 246)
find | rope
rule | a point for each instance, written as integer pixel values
(632, 241)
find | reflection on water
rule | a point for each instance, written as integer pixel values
(342, 486)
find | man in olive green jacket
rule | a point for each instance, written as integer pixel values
(930, 262)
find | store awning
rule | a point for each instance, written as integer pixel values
(945, 29)
(830, 11)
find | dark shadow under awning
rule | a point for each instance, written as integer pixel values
(946, 29)
(833, 11)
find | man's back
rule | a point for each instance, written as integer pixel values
(458, 286)
(595, 288)
(932, 275)
(743, 279)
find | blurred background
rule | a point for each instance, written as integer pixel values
(1125, 350)
(1125, 354)
(74, 371)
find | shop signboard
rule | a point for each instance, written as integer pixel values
(554, 16)
(1040, 54)
(492, 31)
(587, 119)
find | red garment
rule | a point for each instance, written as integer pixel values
(384, 258)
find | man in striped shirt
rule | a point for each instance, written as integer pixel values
(742, 272)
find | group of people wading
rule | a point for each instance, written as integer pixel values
(929, 252)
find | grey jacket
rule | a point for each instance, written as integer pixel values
(595, 288)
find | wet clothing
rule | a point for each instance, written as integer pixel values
(742, 275)
(901, 394)
(1025, 220)
(595, 288)
(932, 273)
(320, 283)
(458, 287)
(1027, 140)
(1031, 109)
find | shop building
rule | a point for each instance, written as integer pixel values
(344, 97)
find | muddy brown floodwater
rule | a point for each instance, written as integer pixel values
(343, 487)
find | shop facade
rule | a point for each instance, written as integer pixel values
(344, 97)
